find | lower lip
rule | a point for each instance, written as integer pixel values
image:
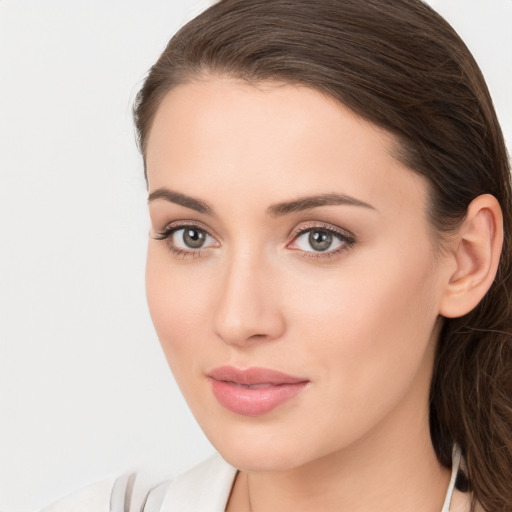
(254, 401)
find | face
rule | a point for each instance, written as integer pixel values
(291, 273)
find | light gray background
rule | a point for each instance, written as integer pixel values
(84, 388)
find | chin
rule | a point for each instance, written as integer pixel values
(259, 447)
(272, 459)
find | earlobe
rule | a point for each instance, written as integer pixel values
(475, 252)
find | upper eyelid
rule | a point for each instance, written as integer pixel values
(181, 224)
(308, 226)
(292, 235)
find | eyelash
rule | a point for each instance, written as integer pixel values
(347, 239)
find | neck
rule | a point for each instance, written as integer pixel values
(390, 469)
(408, 479)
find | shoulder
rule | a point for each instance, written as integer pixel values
(131, 492)
(207, 484)
(93, 498)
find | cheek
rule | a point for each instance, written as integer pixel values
(371, 320)
(176, 305)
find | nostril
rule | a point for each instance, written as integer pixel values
(257, 336)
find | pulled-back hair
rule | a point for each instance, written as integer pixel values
(400, 65)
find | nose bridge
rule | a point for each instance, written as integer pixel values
(247, 305)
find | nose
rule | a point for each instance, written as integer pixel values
(247, 307)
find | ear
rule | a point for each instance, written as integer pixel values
(474, 254)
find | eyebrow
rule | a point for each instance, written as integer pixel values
(275, 210)
(309, 202)
(182, 200)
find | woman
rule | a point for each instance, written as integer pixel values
(329, 267)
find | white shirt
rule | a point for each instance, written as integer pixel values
(204, 488)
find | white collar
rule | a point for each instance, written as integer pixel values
(456, 458)
(204, 487)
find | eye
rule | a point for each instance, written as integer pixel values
(186, 240)
(320, 240)
(189, 238)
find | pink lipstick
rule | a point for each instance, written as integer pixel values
(253, 391)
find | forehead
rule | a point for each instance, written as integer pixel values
(273, 138)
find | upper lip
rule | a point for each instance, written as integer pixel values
(253, 376)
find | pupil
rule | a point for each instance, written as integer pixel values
(320, 240)
(193, 238)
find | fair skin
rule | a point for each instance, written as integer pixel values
(355, 317)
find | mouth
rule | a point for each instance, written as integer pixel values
(253, 391)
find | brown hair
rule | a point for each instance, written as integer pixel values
(400, 65)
